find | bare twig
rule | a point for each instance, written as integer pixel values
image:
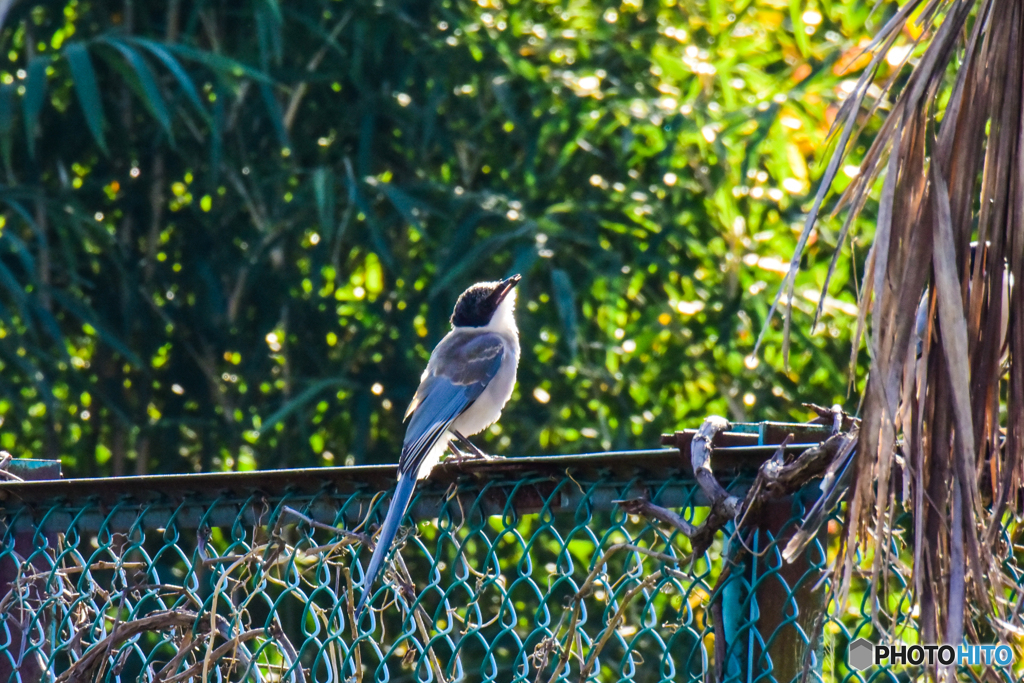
(587, 587)
(229, 646)
(361, 538)
(5, 461)
(723, 505)
(645, 508)
(775, 479)
(700, 455)
(160, 621)
(834, 416)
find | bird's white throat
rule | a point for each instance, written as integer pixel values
(504, 320)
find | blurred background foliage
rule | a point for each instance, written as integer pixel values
(233, 232)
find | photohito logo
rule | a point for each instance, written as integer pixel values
(862, 654)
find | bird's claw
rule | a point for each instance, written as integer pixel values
(462, 456)
(458, 454)
(483, 457)
(473, 453)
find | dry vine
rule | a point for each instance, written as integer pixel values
(216, 634)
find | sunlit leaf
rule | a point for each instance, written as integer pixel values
(376, 233)
(85, 315)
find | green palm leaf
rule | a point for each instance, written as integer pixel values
(84, 77)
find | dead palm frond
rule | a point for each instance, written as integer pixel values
(950, 152)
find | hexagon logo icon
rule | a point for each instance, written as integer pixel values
(860, 654)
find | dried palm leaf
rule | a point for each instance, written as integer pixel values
(952, 154)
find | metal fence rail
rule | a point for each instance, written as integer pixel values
(519, 570)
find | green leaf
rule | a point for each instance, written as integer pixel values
(48, 323)
(317, 28)
(268, 33)
(268, 28)
(174, 66)
(14, 290)
(87, 315)
(220, 63)
(32, 101)
(17, 245)
(323, 188)
(404, 202)
(302, 399)
(448, 252)
(796, 8)
(153, 99)
(6, 123)
(10, 352)
(6, 109)
(276, 116)
(565, 300)
(477, 255)
(274, 9)
(217, 137)
(6, 316)
(84, 77)
(376, 234)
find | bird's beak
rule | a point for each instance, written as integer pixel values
(504, 287)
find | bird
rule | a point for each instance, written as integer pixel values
(466, 384)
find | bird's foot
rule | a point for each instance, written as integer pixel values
(471, 452)
(462, 456)
(481, 457)
(458, 454)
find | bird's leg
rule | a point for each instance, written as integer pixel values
(475, 452)
(459, 454)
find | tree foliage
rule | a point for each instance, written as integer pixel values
(232, 233)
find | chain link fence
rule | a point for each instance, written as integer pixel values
(522, 570)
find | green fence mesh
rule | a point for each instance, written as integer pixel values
(520, 570)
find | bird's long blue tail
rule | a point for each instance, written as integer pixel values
(396, 511)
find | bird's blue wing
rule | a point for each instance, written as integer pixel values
(459, 376)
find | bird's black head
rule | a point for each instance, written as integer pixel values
(477, 304)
